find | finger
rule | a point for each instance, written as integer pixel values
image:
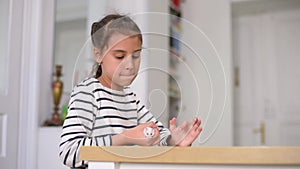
(157, 133)
(195, 132)
(172, 123)
(194, 129)
(156, 140)
(153, 125)
(150, 124)
(197, 122)
(198, 130)
(193, 122)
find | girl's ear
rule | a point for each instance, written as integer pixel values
(97, 55)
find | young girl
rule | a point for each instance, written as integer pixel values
(103, 111)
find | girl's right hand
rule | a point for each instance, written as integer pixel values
(136, 135)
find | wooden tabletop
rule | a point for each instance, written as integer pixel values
(194, 155)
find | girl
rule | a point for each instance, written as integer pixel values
(103, 111)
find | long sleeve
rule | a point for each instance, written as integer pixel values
(144, 116)
(78, 127)
(95, 114)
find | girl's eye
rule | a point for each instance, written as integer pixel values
(119, 56)
(136, 55)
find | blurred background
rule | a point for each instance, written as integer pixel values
(234, 64)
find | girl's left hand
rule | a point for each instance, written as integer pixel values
(136, 135)
(184, 134)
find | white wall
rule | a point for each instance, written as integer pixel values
(202, 77)
(48, 158)
(46, 39)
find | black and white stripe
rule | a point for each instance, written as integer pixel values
(95, 114)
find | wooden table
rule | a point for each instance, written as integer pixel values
(121, 157)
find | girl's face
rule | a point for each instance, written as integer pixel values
(121, 61)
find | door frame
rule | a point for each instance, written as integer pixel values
(36, 53)
(29, 81)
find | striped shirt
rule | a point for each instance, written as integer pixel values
(95, 114)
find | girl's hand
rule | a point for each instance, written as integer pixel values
(186, 133)
(136, 135)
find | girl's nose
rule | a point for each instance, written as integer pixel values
(129, 63)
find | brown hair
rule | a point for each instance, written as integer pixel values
(108, 26)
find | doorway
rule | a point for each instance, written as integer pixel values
(266, 56)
